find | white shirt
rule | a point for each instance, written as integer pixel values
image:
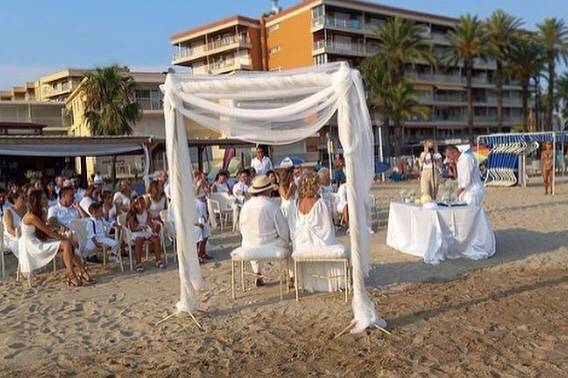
(85, 203)
(167, 190)
(426, 159)
(261, 167)
(64, 215)
(469, 179)
(79, 194)
(95, 228)
(261, 222)
(221, 187)
(239, 191)
(121, 198)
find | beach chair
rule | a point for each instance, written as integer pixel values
(79, 229)
(126, 237)
(261, 254)
(220, 204)
(329, 256)
(168, 232)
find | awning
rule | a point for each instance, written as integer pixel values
(450, 88)
(69, 146)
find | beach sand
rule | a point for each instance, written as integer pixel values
(505, 316)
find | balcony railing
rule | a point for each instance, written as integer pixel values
(332, 22)
(439, 37)
(229, 64)
(58, 89)
(182, 52)
(341, 48)
(149, 103)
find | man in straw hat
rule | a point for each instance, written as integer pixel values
(261, 222)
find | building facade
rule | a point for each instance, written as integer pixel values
(321, 31)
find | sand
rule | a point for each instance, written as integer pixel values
(505, 316)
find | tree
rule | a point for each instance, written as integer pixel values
(502, 30)
(401, 44)
(562, 96)
(110, 104)
(553, 35)
(525, 55)
(469, 42)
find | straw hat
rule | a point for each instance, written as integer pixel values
(261, 184)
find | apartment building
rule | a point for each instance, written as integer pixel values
(322, 31)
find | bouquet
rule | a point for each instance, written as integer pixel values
(449, 195)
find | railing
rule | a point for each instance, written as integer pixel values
(181, 52)
(352, 24)
(61, 87)
(227, 41)
(149, 103)
(435, 77)
(348, 48)
(448, 98)
(439, 37)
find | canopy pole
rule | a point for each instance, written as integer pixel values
(383, 178)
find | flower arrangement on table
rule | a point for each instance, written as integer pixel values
(449, 194)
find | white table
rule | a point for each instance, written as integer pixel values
(440, 233)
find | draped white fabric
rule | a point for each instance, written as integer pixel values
(272, 108)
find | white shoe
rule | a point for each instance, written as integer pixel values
(371, 230)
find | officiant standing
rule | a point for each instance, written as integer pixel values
(470, 189)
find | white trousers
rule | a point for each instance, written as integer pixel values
(90, 247)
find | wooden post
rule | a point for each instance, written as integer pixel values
(200, 157)
(84, 177)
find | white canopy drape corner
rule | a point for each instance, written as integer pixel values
(272, 108)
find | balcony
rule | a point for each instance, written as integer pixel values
(355, 49)
(228, 65)
(149, 104)
(337, 23)
(372, 27)
(184, 54)
(55, 90)
(440, 38)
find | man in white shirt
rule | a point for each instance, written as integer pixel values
(470, 189)
(261, 164)
(240, 189)
(61, 215)
(262, 224)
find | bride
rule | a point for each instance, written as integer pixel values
(313, 233)
(35, 253)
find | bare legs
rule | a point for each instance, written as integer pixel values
(139, 246)
(74, 268)
(547, 178)
(345, 216)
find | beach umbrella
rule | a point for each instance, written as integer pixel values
(290, 161)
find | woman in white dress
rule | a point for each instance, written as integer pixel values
(143, 229)
(287, 190)
(201, 191)
(12, 220)
(121, 198)
(155, 200)
(312, 232)
(35, 252)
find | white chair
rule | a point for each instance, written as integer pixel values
(126, 237)
(221, 204)
(261, 254)
(79, 229)
(168, 232)
(330, 256)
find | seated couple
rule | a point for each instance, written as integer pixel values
(310, 229)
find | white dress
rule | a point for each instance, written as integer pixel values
(156, 207)
(313, 235)
(144, 230)
(34, 253)
(10, 241)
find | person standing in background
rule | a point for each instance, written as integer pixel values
(261, 163)
(429, 161)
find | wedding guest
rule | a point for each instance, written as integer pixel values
(240, 189)
(341, 204)
(12, 219)
(312, 231)
(338, 167)
(261, 163)
(97, 236)
(325, 181)
(287, 190)
(155, 200)
(165, 181)
(61, 215)
(91, 196)
(275, 180)
(143, 230)
(262, 223)
(201, 190)
(108, 209)
(221, 185)
(79, 191)
(470, 189)
(547, 164)
(37, 185)
(51, 194)
(202, 233)
(122, 198)
(59, 184)
(429, 161)
(35, 252)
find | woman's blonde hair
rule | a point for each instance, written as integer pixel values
(309, 186)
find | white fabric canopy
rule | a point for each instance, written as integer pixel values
(272, 108)
(69, 149)
(440, 233)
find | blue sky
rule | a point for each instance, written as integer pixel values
(40, 36)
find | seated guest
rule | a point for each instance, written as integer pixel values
(221, 185)
(97, 237)
(262, 223)
(201, 190)
(122, 198)
(79, 191)
(341, 204)
(108, 209)
(313, 232)
(59, 180)
(155, 200)
(12, 219)
(143, 229)
(51, 194)
(240, 189)
(35, 252)
(287, 189)
(61, 215)
(325, 181)
(91, 196)
(98, 181)
(470, 189)
(202, 233)
(164, 180)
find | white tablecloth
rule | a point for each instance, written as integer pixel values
(440, 233)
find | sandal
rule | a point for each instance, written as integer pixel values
(73, 281)
(86, 278)
(139, 268)
(159, 264)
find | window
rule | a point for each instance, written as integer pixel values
(273, 28)
(274, 49)
(320, 59)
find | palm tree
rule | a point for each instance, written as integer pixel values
(562, 93)
(502, 29)
(468, 41)
(525, 56)
(553, 35)
(110, 104)
(401, 44)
